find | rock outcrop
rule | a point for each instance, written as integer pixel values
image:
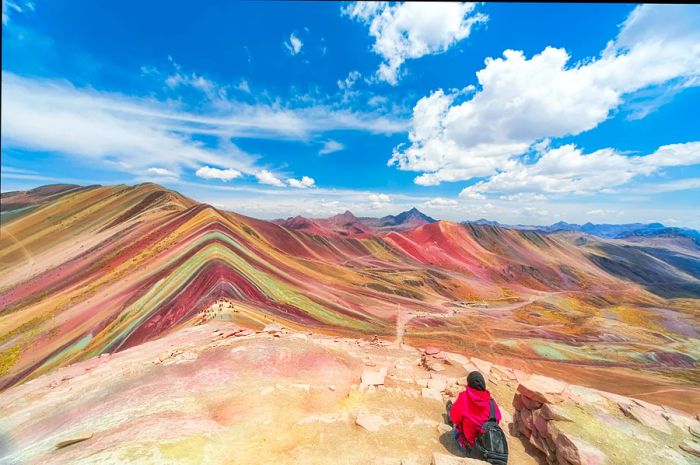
(572, 425)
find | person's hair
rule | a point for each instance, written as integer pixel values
(476, 381)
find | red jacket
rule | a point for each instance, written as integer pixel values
(470, 412)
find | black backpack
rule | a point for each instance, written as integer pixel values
(490, 443)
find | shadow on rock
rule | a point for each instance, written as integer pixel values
(448, 441)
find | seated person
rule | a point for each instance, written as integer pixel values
(470, 412)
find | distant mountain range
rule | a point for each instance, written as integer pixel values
(347, 224)
(608, 231)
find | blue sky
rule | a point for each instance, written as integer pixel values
(521, 113)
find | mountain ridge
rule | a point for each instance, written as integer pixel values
(105, 269)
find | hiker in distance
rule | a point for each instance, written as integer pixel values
(474, 418)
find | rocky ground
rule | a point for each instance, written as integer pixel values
(218, 393)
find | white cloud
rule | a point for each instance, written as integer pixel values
(294, 44)
(331, 146)
(567, 170)
(207, 172)
(133, 134)
(521, 101)
(266, 177)
(161, 172)
(243, 86)
(439, 202)
(55, 116)
(378, 201)
(304, 183)
(413, 29)
(15, 7)
(349, 81)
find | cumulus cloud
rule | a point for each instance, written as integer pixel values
(304, 183)
(378, 201)
(331, 146)
(161, 172)
(439, 202)
(266, 177)
(521, 100)
(294, 44)
(207, 172)
(567, 169)
(404, 31)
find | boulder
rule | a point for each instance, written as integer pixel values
(437, 382)
(506, 373)
(577, 451)
(273, 328)
(646, 417)
(539, 422)
(583, 395)
(483, 366)
(373, 378)
(370, 422)
(681, 420)
(553, 412)
(542, 389)
(444, 459)
(437, 366)
(527, 420)
(455, 359)
(530, 404)
(430, 350)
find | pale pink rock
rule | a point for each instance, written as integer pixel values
(648, 405)
(553, 412)
(373, 378)
(483, 366)
(577, 451)
(680, 419)
(616, 398)
(455, 359)
(437, 382)
(431, 394)
(542, 389)
(646, 417)
(583, 395)
(521, 376)
(430, 350)
(506, 372)
(437, 366)
(273, 328)
(370, 422)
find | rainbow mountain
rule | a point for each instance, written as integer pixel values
(91, 270)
